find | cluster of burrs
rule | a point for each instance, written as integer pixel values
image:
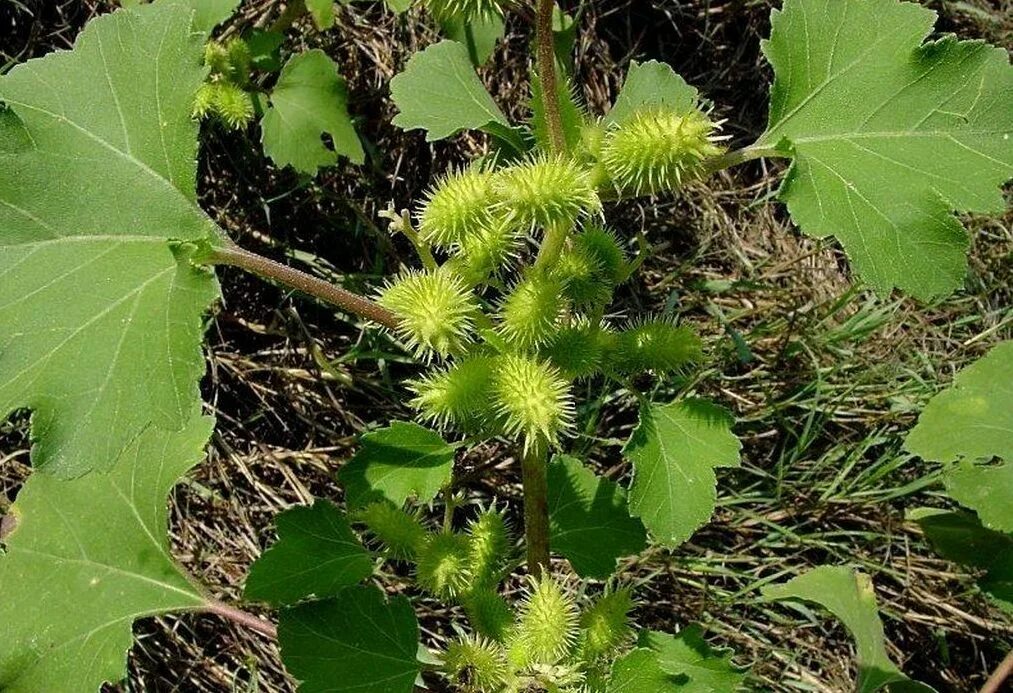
(510, 329)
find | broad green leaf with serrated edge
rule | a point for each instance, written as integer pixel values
(440, 93)
(100, 317)
(589, 519)
(688, 655)
(357, 641)
(207, 14)
(674, 451)
(87, 557)
(648, 85)
(571, 114)
(322, 12)
(959, 537)
(399, 462)
(308, 101)
(849, 596)
(973, 420)
(640, 672)
(889, 135)
(316, 555)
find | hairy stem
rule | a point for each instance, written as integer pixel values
(243, 618)
(999, 676)
(546, 65)
(534, 463)
(300, 281)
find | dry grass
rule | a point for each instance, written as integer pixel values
(823, 378)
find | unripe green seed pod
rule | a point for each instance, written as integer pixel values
(485, 253)
(443, 566)
(532, 399)
(579, 350)
(232, 105)
(602, 245)
(204, 100)
(457, 396)
(488, 613)
(466, 11)
(398, 531)
(490, 545)
(656, 345)
(658, 149)
(476, 665)
(529, 314)
(582, 278)
(547, 624)
(436, 311)
(240, 60)
(461, 203)
(605, 625)
(545, 191)
(216, 57)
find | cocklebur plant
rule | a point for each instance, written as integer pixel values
(510, 311)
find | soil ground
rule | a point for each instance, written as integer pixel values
(823, 377)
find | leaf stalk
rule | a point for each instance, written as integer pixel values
(292, 278)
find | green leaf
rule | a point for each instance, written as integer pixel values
(100, 317)
(570, 112)
(479, 36)
(849, 596)
(674, 451)
(589, 519)
(973, 420)
(398, 6)
(207, 14)
(308, 101)
(265, 49)
(316, 555)
(889, 135)
(440, 93)
(960, 537)
(355, 642)
(399, 462)
(322, 12)
(88, 556)
(651, 84)
(700, 668)
(986, 490)
(640, 672)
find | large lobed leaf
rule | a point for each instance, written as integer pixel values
(358, 641)
(687, 655)
(100, 316)
(889, 135)
(969, 422)
(674, 451)
(87, 557)
(316, 555)
(849, 596)
(309, 100)
(439, 92)
(396, 463)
